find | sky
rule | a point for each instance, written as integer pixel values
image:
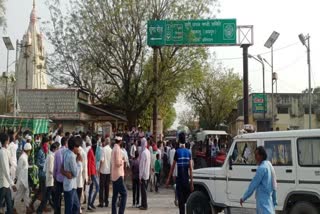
(287, 17)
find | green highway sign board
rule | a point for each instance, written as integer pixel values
(208, 32)
(258, 101)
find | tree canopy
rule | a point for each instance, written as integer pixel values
(215, 97)
(2, 13)
(100, 47)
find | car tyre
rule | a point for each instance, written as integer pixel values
(303, 208)
(199, 203)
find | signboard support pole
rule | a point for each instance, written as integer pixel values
(155, 104)
(245, 83)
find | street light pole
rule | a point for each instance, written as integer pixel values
(264, 87)
(303, 40)
(259, 59)
(269, 44)
(9, 46)
(309, 71)
(6, 89)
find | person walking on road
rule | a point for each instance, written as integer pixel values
(144, 173)
(117, 177)
(135, 180)
(105, 170)
(157, 170)
(71, 168)
(182, 159)
(5, 180)
(57, 175)
(49, 177)
(92, 176)
(22, 181)
(264, 183)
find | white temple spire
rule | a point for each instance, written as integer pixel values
(31, 72)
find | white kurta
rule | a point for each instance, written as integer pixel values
(12, 148)
(49, 170)
(22, 184)
(83, 173)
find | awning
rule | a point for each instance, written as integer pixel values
(36, 125)
(94, 110)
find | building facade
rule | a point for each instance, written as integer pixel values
(69, 107)
(289, 110)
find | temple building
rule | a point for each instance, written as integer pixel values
(70, 107)
(31, 66)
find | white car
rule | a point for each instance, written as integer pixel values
(295, 156)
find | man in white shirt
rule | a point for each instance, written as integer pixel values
(83, 173)
(144, 173)
(105, 170)
(49, 166)
(12, 148)
(133, 149)
(22, 181)
(5, 180)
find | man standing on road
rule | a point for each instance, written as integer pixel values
(264, 183)
(144, 173)
(5, 179)
(22, 181)
(105, 169)
(92, 176)
(40, 162)
(183, 160)
(117, 177)
(58, 177)
(71, 166)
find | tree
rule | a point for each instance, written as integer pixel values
(189, 118)
(2, 13)
(100, 47)
(216, 96)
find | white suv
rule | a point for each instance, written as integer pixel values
(295, 156)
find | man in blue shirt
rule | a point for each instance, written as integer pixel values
(183, 160)
(40, 162)
(263, 184)
(71, 167)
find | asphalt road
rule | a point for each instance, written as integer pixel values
(158, 203)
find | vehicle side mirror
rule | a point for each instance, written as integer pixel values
(230, 162)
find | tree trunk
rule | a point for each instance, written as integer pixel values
(132, 119)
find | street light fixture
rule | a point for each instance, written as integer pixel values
(260, 60)
(305, 40)
(269, 44)
(9, 46)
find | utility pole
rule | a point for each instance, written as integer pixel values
(269, 44)
(309, 74)
(9, 46)
(156, 88)
(245, 83)
(303, 40)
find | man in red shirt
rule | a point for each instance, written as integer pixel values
(92, 176)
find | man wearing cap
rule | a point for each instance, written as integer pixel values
(117, 177)
(22, 181)
(5, 180)
(182, 158)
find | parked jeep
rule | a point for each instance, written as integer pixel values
(295, 156)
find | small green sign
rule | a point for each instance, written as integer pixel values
(209, 32)
(259, 103)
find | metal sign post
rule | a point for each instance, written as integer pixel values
(208, 32)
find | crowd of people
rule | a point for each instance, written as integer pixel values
(80, 166)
